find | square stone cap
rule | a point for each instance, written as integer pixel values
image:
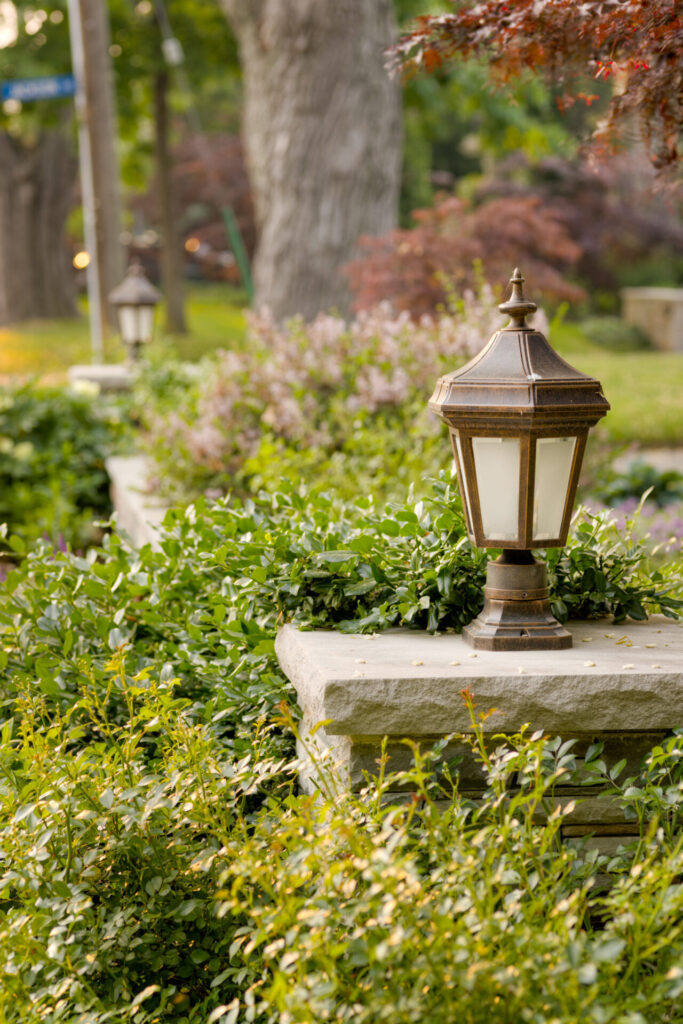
(616, 678)
(105, 376)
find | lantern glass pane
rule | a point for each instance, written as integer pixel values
(128, 320)
(463, 478)
(145, 322)
(496, 461)
(554, 458)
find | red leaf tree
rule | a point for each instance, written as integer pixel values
(639, 43)
(416, 269)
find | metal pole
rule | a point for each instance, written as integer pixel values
(87, 181)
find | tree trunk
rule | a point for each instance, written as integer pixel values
(171, 257)
(101, 120)
(36, 197)
(323, 136)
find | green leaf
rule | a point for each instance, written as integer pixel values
(336, 556)
(150, 990)
(360, 588)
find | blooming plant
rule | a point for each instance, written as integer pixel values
(316, 385)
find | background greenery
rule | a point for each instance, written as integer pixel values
(156, 862)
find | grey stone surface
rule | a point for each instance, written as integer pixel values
(620, 685)
(138, 513)
(355, 758)
(659, 311)
(625, 678)
(110, 377)
(663, 459)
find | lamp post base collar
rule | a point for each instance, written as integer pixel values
(516, 614)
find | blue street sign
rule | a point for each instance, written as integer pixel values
(53, 87)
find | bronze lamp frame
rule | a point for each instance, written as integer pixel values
(134, 291)
(517, 387)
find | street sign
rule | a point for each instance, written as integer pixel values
(53, 87)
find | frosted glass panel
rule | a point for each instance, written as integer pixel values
(496, 460)
(137, 323)
(128, 319)
(463, 478)
(554, 457)
(145, 322)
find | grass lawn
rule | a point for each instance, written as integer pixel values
(645, 389)
(47, 348)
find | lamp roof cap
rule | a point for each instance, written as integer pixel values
(135, 289)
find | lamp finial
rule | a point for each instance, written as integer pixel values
(517, 307)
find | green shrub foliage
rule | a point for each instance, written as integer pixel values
(53, 482)
(438, 909)
(156, 864)
(612, 333)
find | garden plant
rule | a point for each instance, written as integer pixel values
(157, 863)
(53, 481)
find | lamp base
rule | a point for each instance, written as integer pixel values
(516, 614)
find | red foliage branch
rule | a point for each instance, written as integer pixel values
(416, 269)
(638, 41)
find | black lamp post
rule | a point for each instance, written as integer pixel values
(518, 417)
(135, 300)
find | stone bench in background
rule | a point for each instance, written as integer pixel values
(659, 312)
(622, 685)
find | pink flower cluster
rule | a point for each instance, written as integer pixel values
(307, 383)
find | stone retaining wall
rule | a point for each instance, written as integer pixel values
(620, 685)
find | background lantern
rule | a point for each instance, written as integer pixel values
(518, 417)
(135, 300)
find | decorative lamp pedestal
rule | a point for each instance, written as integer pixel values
(621, 686)
(109, 377)
(516, 614)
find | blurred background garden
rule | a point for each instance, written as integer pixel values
(467, 170)
(330, 196)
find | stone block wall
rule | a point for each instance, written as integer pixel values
(622, 686)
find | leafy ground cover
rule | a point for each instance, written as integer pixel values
(157, 865)
(53, 481)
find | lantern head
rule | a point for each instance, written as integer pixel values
(518, 417)
(135, 300)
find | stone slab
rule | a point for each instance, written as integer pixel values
(659, 311)
(110, 377)
(625, 678)
(138, 514)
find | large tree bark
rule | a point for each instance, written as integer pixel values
(322, 133)
(101, 121)
(171, 256)
(36, 196)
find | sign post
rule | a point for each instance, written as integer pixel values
(87, 180)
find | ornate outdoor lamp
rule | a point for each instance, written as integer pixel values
(518, 417)
(135, 300)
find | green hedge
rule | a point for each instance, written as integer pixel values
(53, 481)
(156, 864)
